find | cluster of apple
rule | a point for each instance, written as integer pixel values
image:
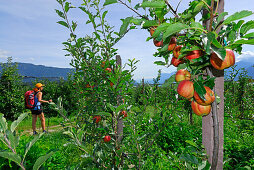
(200, 107)
(215, 61)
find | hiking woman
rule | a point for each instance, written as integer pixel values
(37, 110)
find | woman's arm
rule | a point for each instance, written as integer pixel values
(39, 96)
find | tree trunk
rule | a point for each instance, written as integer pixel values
(212, 133)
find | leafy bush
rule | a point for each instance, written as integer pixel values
(11, 98)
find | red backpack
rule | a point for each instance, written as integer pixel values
(29, 99)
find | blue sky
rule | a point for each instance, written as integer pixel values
(29, 33)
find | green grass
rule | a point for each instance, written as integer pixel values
(66, 154)
(26, 124)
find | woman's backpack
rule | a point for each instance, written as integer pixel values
(29, 99)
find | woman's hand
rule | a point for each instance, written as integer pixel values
(50, 100)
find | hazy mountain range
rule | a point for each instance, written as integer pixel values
(53, 73)
(31, 71)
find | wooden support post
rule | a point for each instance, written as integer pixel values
(119, 98)
(208, 121)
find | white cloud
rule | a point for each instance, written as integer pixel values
(247, 55)
(32, 58)
(3, 54)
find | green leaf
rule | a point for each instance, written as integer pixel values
(66, 7)
(242, 41)
(14, 139)
(246, 27)
(174, 28)
(200, 89)
(17, 122)
(63, 23)
(160, 28)
(210, 82)
(204, 165)
(153, 4)
(41, 160)
(108, 2)
(149, 23)
(169, 81)
(102, 114)
(250, 35)
(69, 133)
(137, 21)
(216, 43)
(125, 25)
(161, 63)
(74, 25)
(237, 16)
(220, 52)
(60, 14)
(196, 25)
(191, 143)
(120, 108)
(11, 156)
(104, 14)
(181, 66)
(220, 17)
(197, 8)
(30, 144)
(112, 108)
(3, 123)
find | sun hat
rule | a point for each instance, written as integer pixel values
(38, 85)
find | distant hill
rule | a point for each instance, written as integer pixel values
(32, 70)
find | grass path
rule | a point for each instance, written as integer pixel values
(49, 129)
(52, 124)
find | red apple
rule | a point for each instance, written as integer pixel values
(124, 113)
(111, 84)
(182, 75)
(152, 30)
(176, 51)
(158, 43)
(88, 86)
(209, 97)
(103, 64)
(194, 54)
(107, 139)
(175, 62)
(186, 89)
(172, 44)
(108, 70)
(200, 110)
(97, 119)
(223, 64)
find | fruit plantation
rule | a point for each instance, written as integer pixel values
(105, 122)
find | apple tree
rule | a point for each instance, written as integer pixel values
(200, 49)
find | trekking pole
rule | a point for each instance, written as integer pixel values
(48, 125)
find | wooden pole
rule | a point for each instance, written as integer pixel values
(119, 119)
(209, 130)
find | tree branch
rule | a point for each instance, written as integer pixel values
(211, 16)
(142, 16)
(171, 8)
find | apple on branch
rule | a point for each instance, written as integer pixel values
(182, 74)
(223, 64)
(199, 109)
(185, 89)
(209, 97)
